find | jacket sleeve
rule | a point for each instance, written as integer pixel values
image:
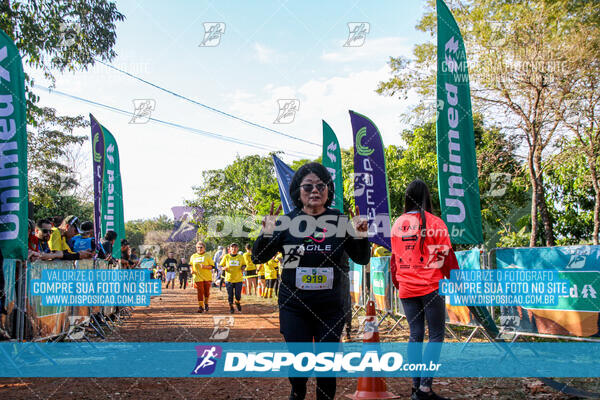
(265, 248)
(358, 250)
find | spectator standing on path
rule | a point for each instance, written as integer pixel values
(184, 272)
(217, 261)
(59, 237)
(170, 266)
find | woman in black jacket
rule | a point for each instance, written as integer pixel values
(315, 241)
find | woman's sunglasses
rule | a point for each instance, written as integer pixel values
(309, 187)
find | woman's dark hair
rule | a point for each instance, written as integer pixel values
(418, 198)
(320, 171)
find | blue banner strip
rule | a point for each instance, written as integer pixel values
(220, 359)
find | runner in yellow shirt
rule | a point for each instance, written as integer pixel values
(271, 267)
(233, 265)
(202, 264)
(260, 270)
(250, 270)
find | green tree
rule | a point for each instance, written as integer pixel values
(582, 116)
(504, 201)
(52, 181)
(570, 187)
(518, 62)
(136, 230)
(236, 195)
(58, 36)
(53, 37)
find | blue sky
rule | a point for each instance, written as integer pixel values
(270, 50)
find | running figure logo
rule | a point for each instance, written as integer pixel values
(212, 34)
(207, 359)
(221, 328)
(357, 33)
(287, 111)
(142, 110)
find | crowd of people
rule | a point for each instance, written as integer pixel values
(309, 309)
(70, 239)
(227, 268)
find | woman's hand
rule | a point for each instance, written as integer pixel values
(359, 223)
(268, 223)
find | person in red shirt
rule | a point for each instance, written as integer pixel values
(421, 255)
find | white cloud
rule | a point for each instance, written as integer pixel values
(264, 54)
(327, 99)
(376, 48)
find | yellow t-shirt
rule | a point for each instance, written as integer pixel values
(381, 251)
(271, 269)
(261, 270)
(248, 260)
(57, 241)
(234, 264)
(197, 261)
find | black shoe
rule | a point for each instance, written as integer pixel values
(231, 310)
(200, 310)
(239, 307)
(431, 395)
(206, 308)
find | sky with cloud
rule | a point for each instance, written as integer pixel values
(269, 51)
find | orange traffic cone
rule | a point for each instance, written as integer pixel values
(371, 387)
(244, 287)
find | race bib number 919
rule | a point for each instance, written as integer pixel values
(314, 278)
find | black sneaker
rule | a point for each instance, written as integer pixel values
(431, 395)
(239, 307)
(200, 310)
(206, 308)
(231, 310)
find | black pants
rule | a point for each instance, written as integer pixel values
(234, 287)
(433, 308)
(271, 283)
(183, 278)
(276, 286)
(298, 325)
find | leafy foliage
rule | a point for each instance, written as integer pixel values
(53, 37)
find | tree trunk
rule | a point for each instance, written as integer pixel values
(541, 199)
(534, 198)
(594, 173)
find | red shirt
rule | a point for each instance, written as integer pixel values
(415, 269)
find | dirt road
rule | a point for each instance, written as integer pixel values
(172, 317)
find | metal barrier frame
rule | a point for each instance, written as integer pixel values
(104, 321)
